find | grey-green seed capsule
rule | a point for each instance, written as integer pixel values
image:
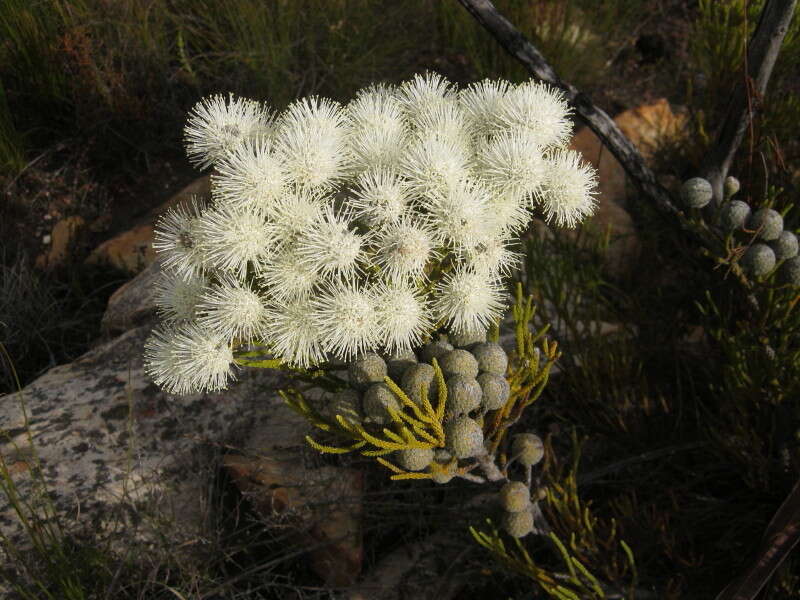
(460, 362)
(730, 187)
(491, 358)
(767, 222)
(467, 339)
(397, 363)
(495, 390)
(528, 448)
(416, 376)
(464, 437)
(377, 400)
(789, 271)
(758, 260)
(367, 369)
(515, 497)
(696, 192)
(415, 459)
(518, 524)
(463, 395)
(785, 246)
(733, 215)
(434, 349)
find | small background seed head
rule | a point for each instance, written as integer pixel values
(768, 223)
(346, 403)
(528, 448)
(733, 215)
(415, 459)
(397, 363)
(367, 369)
(377, 399)
(515, 497)
(696, 192)
(434, 349)
(463, 395)
(758, 260)
(458, 362)
(467, 339)
(518, 524)
(785, 246)
(464, 437)
(416, 376)
(789, 271)
(495, 390)
(491, 358)
(730, 187)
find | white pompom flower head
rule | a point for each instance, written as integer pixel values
(403, 249)
(217, 125)
(568, 194)
(380, 196)
(376, 129)
(176, 298)
(403, 316)
(468, 300)
(538, 109)
(347, 319)
(294, 333)
(233, 310)
(177, 238)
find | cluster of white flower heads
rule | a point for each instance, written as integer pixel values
(336, 230)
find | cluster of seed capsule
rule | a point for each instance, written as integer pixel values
(474, 373)
(767, 242)
(515, 496)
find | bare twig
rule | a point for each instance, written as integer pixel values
(761, 56)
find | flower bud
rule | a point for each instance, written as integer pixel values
(696, 192)
(495, 390)
(518, 524)
(463, 395)
(346, 403)
(515, 497)
(733, 215)
(377, 400)
(367, 369)
(415, 459)
(789, 271)
(418, 376)
(758, 260)
(768, 224)
(730, 187)
(464, 437)
(528, 448)
(467, 339)
(397, 363)
(491, 358)
(459, 362)
(785, 246)
(435, 350)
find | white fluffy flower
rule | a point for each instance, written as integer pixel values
(434, 165)
(511, 163)
(539, 109)
(311, 141)
(493, 256)
(481, 103)
(296, 212)
(176, 298)
(376, 128)
(177, 238)
(347, 319)
(403, 316)
(424, 93)
(188, 359)
(294, 335)
(232, 310)
(460, 216)
(569, 187)
(331, 246)
(403, 249)
(287, 277)
(445, 121)
(510, 213)
(468, 300)
(250, 177)
(380, 197)
(234, 239)
(216, 126)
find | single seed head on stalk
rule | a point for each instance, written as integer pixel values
(491, 358)
(785, 246)
(415, 459)
(696, 192)
(758, 260)
(515, 497)
(495, 391)
(767, 222)
(733, 215)
(528, 448)
(518, 524)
